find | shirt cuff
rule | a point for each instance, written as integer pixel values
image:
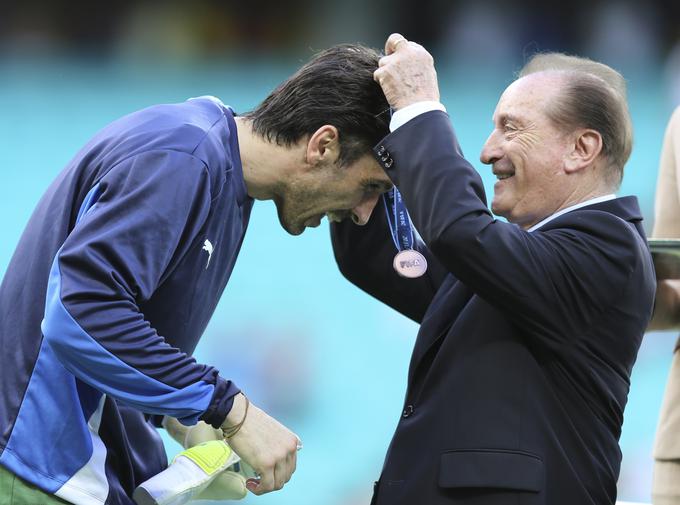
(403, 116)
(221, 403)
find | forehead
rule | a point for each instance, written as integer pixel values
(528, 97)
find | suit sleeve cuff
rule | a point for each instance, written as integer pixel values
(413, 129)
(403, 116)
(221, 402)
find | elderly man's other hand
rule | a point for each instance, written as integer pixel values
(406, 73)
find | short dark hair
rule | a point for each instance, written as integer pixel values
(594, 96)
(337, 88)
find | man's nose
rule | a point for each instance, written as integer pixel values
(491, 152)
(362, 212)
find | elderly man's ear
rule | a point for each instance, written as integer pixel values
(586, 147)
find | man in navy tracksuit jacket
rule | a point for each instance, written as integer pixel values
(125, 258)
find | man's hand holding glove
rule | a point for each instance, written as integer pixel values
(229, 484)
(209, 467)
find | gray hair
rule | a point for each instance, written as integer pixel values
(594, 97)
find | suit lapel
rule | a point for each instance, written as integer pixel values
(450, 300)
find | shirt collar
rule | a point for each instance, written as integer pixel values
(592, 201)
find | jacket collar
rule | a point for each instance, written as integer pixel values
(626, 207)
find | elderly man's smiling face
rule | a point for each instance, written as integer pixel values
(527, 152)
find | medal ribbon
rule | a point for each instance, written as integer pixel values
(398, 219)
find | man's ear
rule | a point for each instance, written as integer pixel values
(586, 147)
(323, 146)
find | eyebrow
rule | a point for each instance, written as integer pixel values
(504, 118)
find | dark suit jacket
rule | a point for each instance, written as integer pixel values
(520, 372)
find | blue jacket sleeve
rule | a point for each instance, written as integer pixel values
(133, 227)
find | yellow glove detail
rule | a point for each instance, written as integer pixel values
(210, 456)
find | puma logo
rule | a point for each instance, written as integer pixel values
(208, 247)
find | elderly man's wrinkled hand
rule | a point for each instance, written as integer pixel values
(406, 73)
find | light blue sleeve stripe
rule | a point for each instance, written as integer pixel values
(85, 358)
(90, 199)
(88, 360)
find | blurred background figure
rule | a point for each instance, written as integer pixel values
(666, 483)
(69, 68)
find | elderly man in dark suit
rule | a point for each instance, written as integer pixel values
(529, 329)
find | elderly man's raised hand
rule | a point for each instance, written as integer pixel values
(406, 73)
